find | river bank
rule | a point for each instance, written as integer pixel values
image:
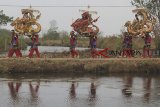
(80, 66)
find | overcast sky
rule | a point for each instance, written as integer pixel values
(110, 22)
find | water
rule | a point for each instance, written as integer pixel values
(42, 49)
(90, 91)
(57, 49)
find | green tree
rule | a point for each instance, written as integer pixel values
(52, 31)
(53, 25)
(154, 7)
(4, 19)
(51, 35)
(4, 34)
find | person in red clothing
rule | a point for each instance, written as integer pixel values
(73, 42)
(34, 45)
(14, 46)
(147, 43)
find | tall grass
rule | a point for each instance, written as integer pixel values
(113, 42)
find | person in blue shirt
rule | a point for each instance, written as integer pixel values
(93, 44)
(14, 45)
(127, 45)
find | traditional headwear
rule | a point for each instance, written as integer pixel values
(12, 31)
(72, 32)
(85, 14)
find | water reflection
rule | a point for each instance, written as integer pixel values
(17, 98)
(147, 88)
(76, 98)
(92, 90)
(127, 89)
(73, 90)
(34, 89)
(14, 89)
(14, 92)
(92, 95)
(34, 96)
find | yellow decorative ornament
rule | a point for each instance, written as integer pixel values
(143, 22)
(28, 23)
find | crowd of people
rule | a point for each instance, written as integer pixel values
(126, 45)
(92, 44)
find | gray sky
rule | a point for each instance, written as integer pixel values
(110, 22)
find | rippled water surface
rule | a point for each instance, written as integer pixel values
(90, 91)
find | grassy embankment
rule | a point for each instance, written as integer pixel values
(111, 42)
(80, 66)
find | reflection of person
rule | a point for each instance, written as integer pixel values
(73, 43)
(34, 90)
(34, 45)
(73, 90)
(128, 81)
(147, 88)
(14, 46)
(93, 90)
(92, 94)
(14, 89)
